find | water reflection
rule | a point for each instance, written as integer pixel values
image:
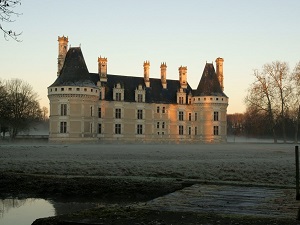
(24, 211)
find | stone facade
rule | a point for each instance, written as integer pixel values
(102, 107)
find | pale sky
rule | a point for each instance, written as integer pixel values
(247, 34)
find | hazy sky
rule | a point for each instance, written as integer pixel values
(247, 34)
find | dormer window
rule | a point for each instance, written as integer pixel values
(140, 94)
(118, 92)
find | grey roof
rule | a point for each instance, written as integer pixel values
(75, 73)
(209, 84)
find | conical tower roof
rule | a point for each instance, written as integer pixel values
(209, 84)
(74, 71)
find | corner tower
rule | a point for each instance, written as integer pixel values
(219, 65)
(62, 52)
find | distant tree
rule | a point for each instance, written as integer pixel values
(4, 109)
(24, 106)
(260, 99)
(294, 111)
(6, 16)
(45, 113)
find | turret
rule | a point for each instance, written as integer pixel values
(146, 73)
(62, 52)
(102, 69)
(183, 76)
(163, 74)
(219, 65)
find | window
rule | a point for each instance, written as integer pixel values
(118, 113)
(70, 89)
(77, 89)
(196, 116)
(180, 130)
(100, 95)
(157, 109)
(63, 109)
(163, 125)
(190, 131)
(118, 96)
(140, 98)
(99, 128)
(117, 128)
(216, 116)
(196, 130)
(139, 129)
(62, 89)
(157, 125)
(180, 100)
(163, 109)
(99, 112)
(140, 114)
(91, 128)
(190, 116)
(180, 116)
(63, 127)
(216, 130)
(91, 109)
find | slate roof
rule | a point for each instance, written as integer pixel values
(75, 73)
(209, 84)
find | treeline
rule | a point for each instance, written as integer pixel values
(19, 107)
(255, 125)
(273, 104)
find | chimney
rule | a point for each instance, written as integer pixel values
(146, 73)
(219, 65)
(182, 77)
(163, 74)
(102, 69)
(62, 52)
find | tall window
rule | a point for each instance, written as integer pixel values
(118, 113)
(63, 127)
(216, 130)
(63, 109)
(91, 128)
(190, 131)
(139, 129)
(180, 116)
(99, 112)
(163, 109)
(216, 116)
(196, 116)
(157, 125)
(163, 125)
(190, 116)
(157, 109)
(196, 130)
(140, 98)
(117, 128)
(99, 128)
(140, 114)
(118, 96)
(180, 130)
(180, 100)
(91, 109)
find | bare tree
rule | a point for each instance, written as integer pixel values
(45, 113)
(7, 15)
(260, 97)
(25, 109)
(280, 80)
(295, 100)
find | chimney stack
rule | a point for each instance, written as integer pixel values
(219, 65)
(183, 77)
(163, 74)
(146, 73)
(62, 52)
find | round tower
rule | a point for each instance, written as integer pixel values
(62, 52)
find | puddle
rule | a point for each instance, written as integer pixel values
(24, 211)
